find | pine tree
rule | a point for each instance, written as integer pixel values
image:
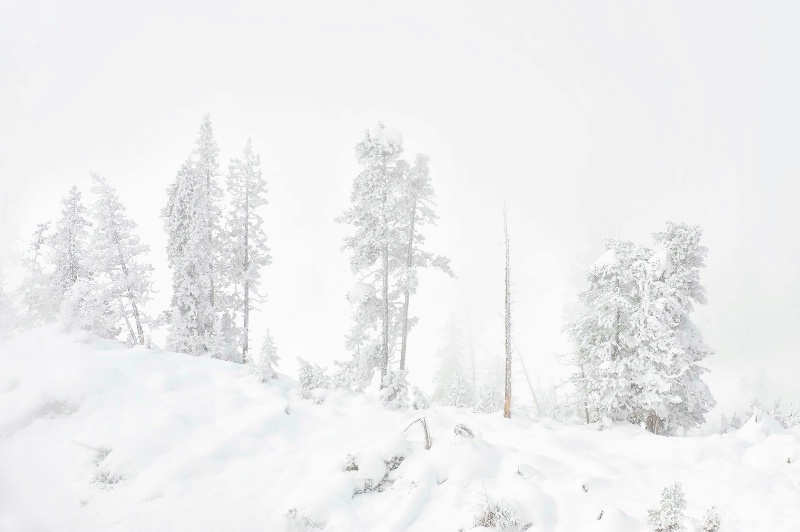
(667, 516)
(69, 247)
(417, 211)
(670, 347)
(116, 255)
(452, 388)
(8, 315)
(37, 300)
(263, 365)
(637, 351)
(373, 213)
(246, 241)
(192, 221)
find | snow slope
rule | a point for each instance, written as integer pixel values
(94, 436)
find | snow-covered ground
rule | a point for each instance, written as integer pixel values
(94, 436)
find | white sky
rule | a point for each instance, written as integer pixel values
(580, 116)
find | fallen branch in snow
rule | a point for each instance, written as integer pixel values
(424, 423)
(463, 431)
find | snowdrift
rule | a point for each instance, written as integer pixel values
(94, 436)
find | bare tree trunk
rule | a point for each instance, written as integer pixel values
(246, 265)
(472, 356)
(407, 295)
(385, 294)
(507, 404)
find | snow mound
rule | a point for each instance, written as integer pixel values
(94, 436)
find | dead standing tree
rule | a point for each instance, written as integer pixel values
(507, 403)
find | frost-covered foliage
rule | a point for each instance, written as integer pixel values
(390, 201)
(121, 281)
(8, 314)
(667, 516)
(192, 221)
(489, 392)
(69, 248)
(498, 514)
(37, 299)
(452, 387)
(245, 240)
(263, 364)
(296, 521)
(710, 520)
(394, 393)
(312, 377)
(788, 416)
(637, 352)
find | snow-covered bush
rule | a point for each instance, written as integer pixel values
(710, 520)
(499, 514)
(296, 521)
(667, 516)
(311, 377)
(394, 393)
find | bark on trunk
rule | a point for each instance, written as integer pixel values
(407, 295)
(507, 402)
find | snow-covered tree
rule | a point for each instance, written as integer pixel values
(637, 352)
(311, 377)
(416, 211)
(490, 385)
(192, 219)
(69, 248)
(373, 214)
(668, 385)
(452, 387)
(710, 520)
(8, 317)
(667, 516)
(117, 259)
(36, 296)
(603, 334)
(246, 241)
(263, 364)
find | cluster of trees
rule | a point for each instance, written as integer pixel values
(391, 201)
(215, 251)
(637, 352)
(89, 270)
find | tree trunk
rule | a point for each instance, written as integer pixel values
(407, 295)
(507, 403)
(385, 294)
(246, 310)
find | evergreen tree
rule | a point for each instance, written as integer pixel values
(637, 351)
(69, 247)
(192, 221)
(37, 299)
(263, 365)
(116, 255)
(452, 388)
(246, 240)
(667, 516)
(417, 211)
(373, 214)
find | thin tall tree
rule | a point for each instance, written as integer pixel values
(507, 403)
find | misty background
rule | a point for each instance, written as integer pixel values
(586, 119)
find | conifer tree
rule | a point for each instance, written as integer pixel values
(69, 247)
(116, 255)
(373, 214)
(246, 241)
(37, 300)
(417, 210)
(192, 219)
(263, 364)
(638, 352)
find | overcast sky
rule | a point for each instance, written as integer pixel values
(583, 117)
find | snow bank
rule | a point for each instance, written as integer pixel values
(94, 436)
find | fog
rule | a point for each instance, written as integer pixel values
(587, 120)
